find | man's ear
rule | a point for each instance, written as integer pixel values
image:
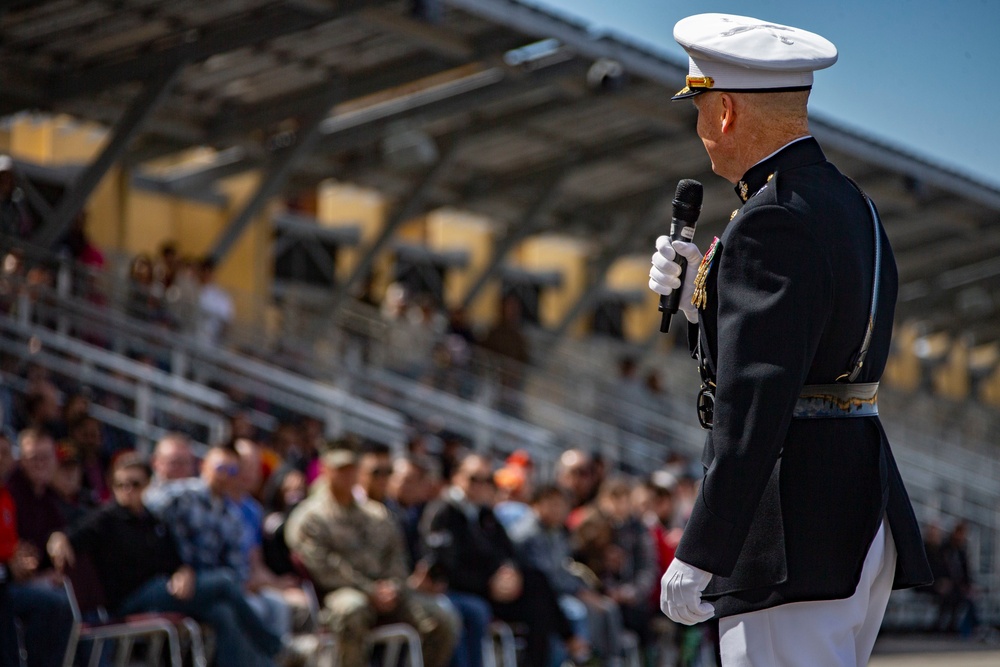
(728, 114)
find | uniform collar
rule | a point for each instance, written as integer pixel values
(796, 153)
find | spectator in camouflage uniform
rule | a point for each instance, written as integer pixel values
(354, 553)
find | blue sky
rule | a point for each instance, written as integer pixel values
(921, 75)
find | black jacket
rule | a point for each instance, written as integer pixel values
(467, 552)
(788, 508)
(128, 549)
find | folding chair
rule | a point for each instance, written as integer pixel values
(502, 637)
(392, 637)
(157, 628)
(630, 647)
(326, 643)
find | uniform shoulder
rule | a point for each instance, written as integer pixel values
(311, 508)
(763, 203)
(773, 209)
(766, 194)
(374, 509)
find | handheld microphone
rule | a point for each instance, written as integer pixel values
(687, 208)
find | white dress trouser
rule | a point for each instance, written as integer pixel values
(824, 633)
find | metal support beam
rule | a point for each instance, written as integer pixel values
(364, 125)
(35, 198)
(621, 236)
(340, 134)
(547, 194)
(616, 147)
(128, 125)
(278, 171)
(151, 146)
(940, 291)
(864, 148)
(229, 162)
(408, 207)
(257, 27)
(439, 40)
(237, 119)
(13, 102)
(533, 21)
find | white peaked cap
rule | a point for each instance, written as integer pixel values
(739, 53)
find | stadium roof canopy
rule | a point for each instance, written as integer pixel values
(488, 105)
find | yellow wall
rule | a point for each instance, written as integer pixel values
(566, 256)
(31, 139)
(902, 369)
(247, 271)
(346, 205)
(951, 379)
(55, 139)
(149, 221)
(989, 390)
(106, 211)
(61, 141)
(450, 230)
(630, 274)
(155, 218)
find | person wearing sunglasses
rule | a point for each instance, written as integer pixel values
(208, 527)
(374, 470)
(354, 554)
(140, 569)
(462, 534)
(41, 609)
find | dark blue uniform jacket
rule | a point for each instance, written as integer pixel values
(788, 508)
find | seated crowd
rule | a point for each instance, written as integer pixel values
(448, 542)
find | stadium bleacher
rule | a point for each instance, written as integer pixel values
(319, 152)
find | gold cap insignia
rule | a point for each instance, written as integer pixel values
(700, 82)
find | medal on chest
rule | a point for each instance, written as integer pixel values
(699, 298)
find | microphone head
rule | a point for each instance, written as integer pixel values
(687, 199)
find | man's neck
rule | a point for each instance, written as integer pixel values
(342, 497)
(767, 149)
(780, 146)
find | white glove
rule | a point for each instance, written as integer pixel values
(664, 276)
(680, 593)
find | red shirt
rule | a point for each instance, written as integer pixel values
(666, 542)
(8, 526)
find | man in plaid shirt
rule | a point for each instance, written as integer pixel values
(208, 528)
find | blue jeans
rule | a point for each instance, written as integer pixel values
(241, 638)
(46, 619)
(476, 616)
(576, 613)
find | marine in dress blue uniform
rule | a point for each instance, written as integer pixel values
(802, 502)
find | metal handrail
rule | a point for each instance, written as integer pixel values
(291, 391)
